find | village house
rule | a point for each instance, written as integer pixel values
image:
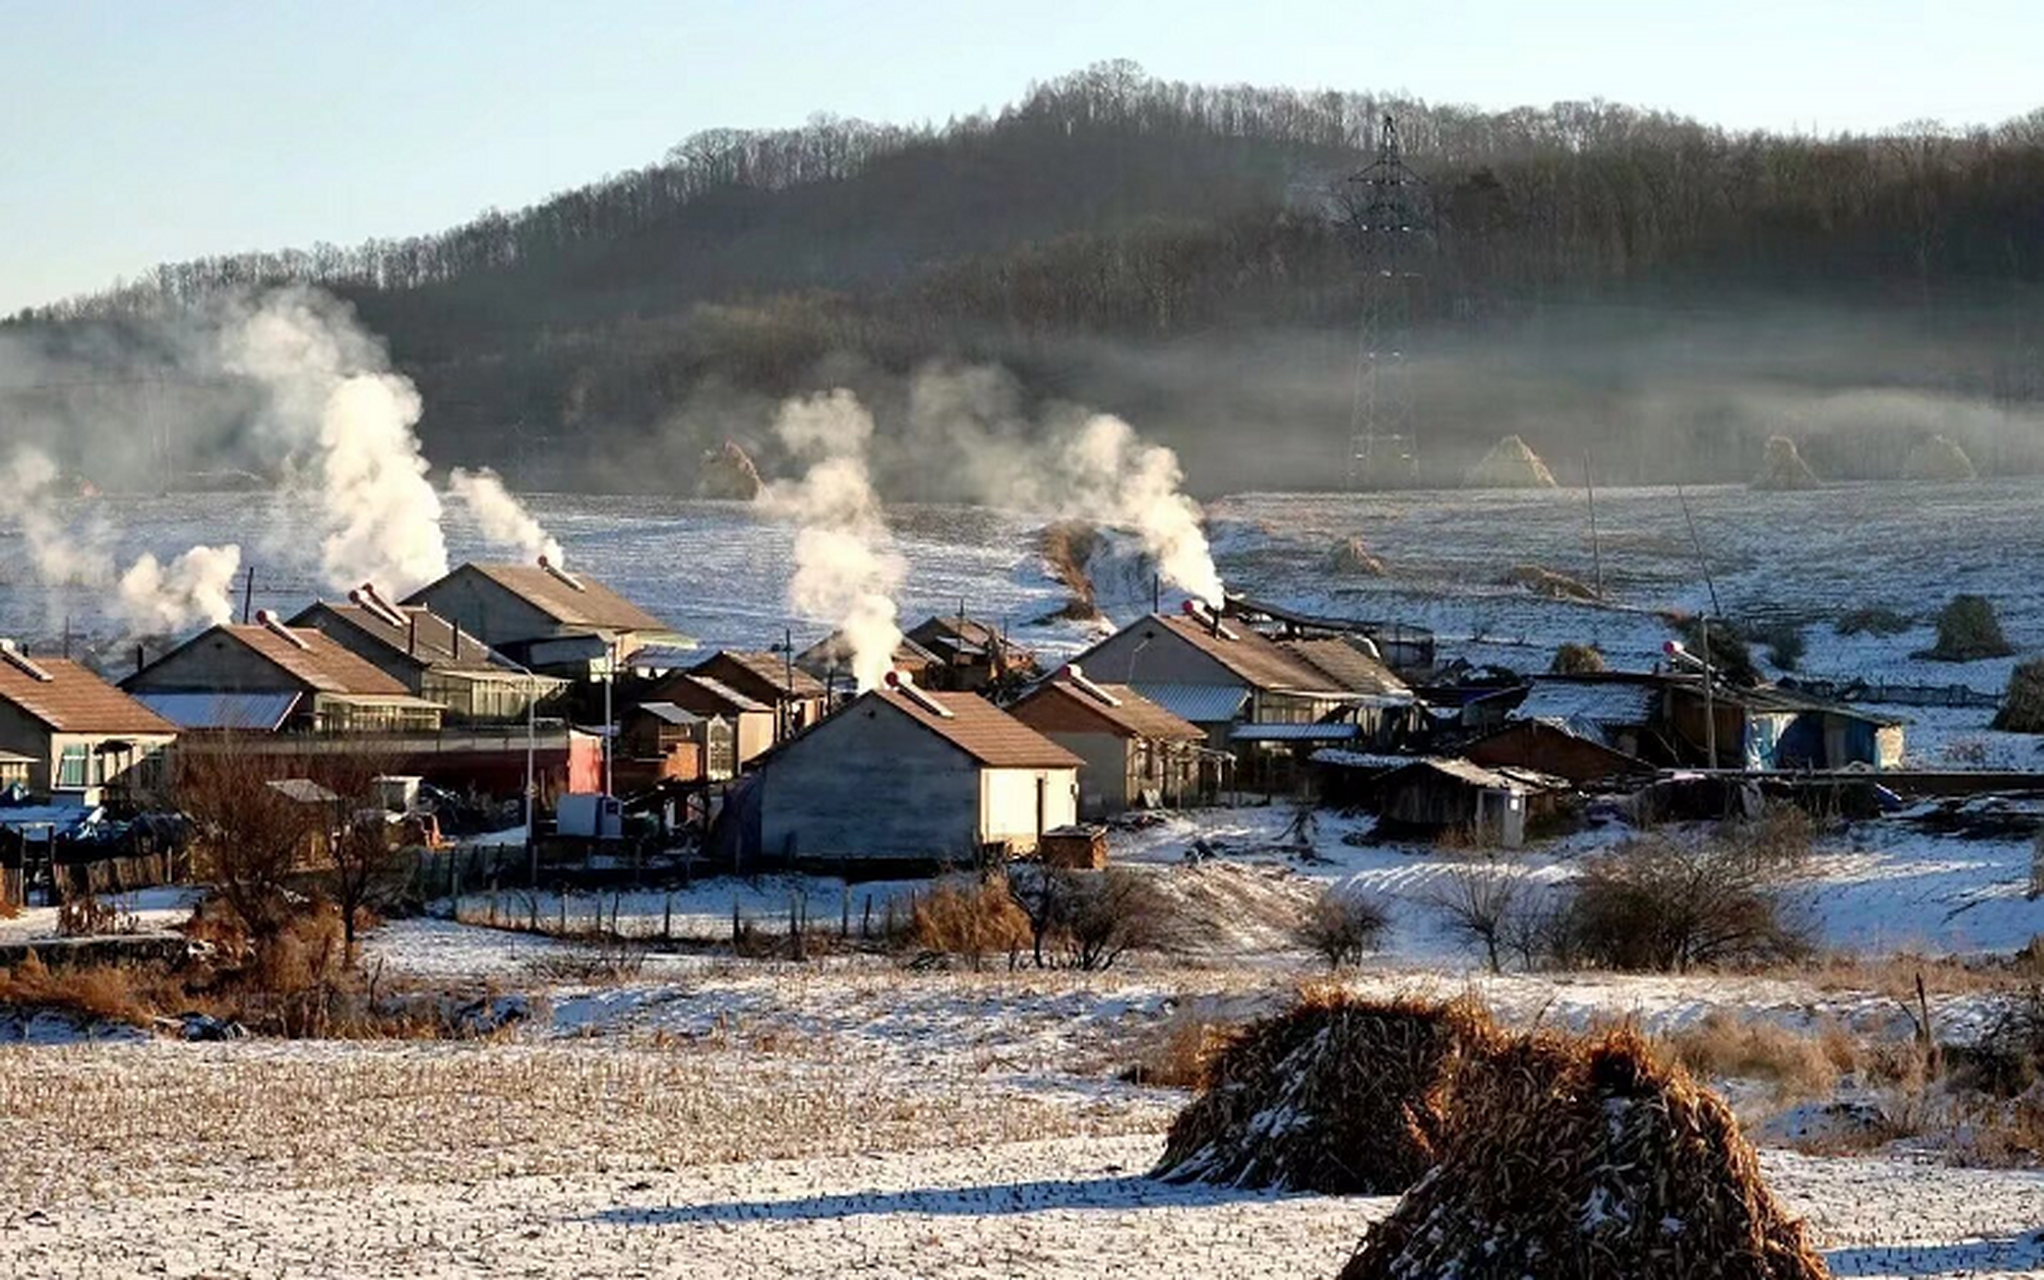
(970, 655)
(267, 677)
(546, 618)
(752, 721)
(660, 742)
(1551, 749)
(1435, 795)
(830, 660)
(65, 730)
(1136, 752)
(906, 776)
(1661, 717)
(433, 658)
(797, 697)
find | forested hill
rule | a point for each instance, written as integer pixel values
(1596, 276)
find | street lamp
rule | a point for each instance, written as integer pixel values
(531, 750)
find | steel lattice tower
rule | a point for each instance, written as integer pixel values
(1388, 223)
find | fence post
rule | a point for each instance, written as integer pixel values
(866, 918)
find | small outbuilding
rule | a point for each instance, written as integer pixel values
(1438, 794)
(752, 721)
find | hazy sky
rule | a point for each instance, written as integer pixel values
(135, 132)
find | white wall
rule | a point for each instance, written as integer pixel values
(1011, 803)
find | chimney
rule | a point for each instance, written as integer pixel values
(366, 597)
(901, 682)
(412, 634)
(11, 653)
(140, 660)
(1078, 679)
(560, 573)
(269, 622)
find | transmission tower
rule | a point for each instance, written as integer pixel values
(1390, 227)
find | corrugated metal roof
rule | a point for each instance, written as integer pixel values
(250, 711)
(669, 713)
(1349, 667)
(1509, 778)
(1199, 703)
(587, 603)
(1292, 733)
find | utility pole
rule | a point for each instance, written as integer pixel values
(248, 595)
(1596, 544)
(609, 722)
(1388, 225)
(1710, 713)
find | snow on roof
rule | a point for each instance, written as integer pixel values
(1575, 703)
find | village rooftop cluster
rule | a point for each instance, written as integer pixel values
(542, 713)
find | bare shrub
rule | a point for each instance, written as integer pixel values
(1485, 906)
(253, 837)
(972, 918)
(1662, 903)
(605, 961)
(1575, 659)
(1341, 926)
(1088, 919)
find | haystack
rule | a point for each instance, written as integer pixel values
(1572, 659)
(1350, 556)
(1939, 458)
(1968, 630)
(2022, 708)
(727, 472)
(1546, 582)
(1782, 467)
(1067, 547)
(1336, 1094)
(1511, 464)
(1588, 1158)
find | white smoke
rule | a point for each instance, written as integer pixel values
(1077, 466)
(344, 422)
(502, 518)
(195, 588)
(845, 568)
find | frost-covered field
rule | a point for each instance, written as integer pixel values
(698, 1115)
(717, 570)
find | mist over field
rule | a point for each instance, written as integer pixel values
(1656, 294)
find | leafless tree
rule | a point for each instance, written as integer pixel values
(1482, 900)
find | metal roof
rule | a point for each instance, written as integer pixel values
(1199, 703)
(250, 711)
(1292, 733)
(1588, 704)
(669, 713)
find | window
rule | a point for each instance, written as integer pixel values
(73, 764)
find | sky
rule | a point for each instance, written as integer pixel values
(138, 132)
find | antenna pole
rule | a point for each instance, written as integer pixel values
(1596, 544)
(248, 596)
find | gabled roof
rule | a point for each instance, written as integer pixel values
(1128, 715)
(1348, 666)
(978, 728)
(318, 663)
(593, 605)
(1197, 703)
(1588, 705)
(220, 709)
(426, 638)
(967, 636)
(1509, 777)
(833, 653)
(74, 700)
(1257, 660)
(668, 713)
(687, 687)
(768, 671)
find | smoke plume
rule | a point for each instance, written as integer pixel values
(345, 423)
(195, 588)
(845, 568)
(1076, 465)
(503, 519)
(62, 552)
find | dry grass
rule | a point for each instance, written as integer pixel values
(973, 918)
(1798, 1064)
(1177, 1055)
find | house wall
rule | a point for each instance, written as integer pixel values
(214, 662)
(1124, 658)
(755, 734)
(485, 610)
(1021, 804)
(24, 734)
(1104, 782)
(871, 784)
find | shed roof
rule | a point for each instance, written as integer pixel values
(769, 670)
(587, 604)
(75, 700)
(689, 686)
(1129, 714)
(1509, 778)
(668, 713)
(980, 729)
(1197, 703)
(212, 709)
(425, 638)
(1338, 731)
(1349, 667)
(1591, 703)
(833, 654)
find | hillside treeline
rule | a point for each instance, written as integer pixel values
(1112, 236)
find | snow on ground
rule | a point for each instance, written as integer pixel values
(143, 911)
